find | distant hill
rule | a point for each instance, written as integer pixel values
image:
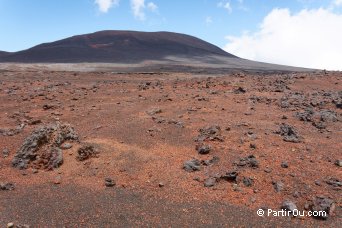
(3, 53)
(116, 47)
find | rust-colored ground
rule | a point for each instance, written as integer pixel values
(144, 152)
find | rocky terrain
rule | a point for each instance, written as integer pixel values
(169, 149)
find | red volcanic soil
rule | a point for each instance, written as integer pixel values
(116, 47)
(281, 134)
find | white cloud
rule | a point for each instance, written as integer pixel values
(309, 38)
(226, 5)
(105, 5)
(338, 2)
(208, 20)
(151, 6)
(139, 6)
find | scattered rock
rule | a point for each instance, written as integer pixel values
(7, 186)
(240, 90)
(248, 182)
(211, 133)
(289, 133)
(48, 106)
(192, 165)
(66, 146)
(41, 148)
(161, 184)
(230, 176)
(154, 111)
(252, 146)
(212, 161)
(321, 203)
(278, 186)
(85, 152)
(35, 122)
(284, 165)
(57, 180)
(338, 163)
(5, 153)
(328, 116)
(306, 115)
(34, 171)
(210, 182)
(250, 161)
(289, 206)
(109, 182)
(267, 170)
(203, 149)
(14, 131)
(334, 182)
(237, 188)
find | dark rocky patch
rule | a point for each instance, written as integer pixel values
(288, 205)
(41, 149)
(5, 153)
(85, 152)
(321, 203)
(230, 176)
(203, 149)
(284, 165)
(250, 161)
(248, 182)
(240, 90)
(334, 182)
(338, 163)
(212, 161)
(13, 131)
(192, 165)
(109, 182)
(210, 182)
(7, 186)
(278, 186)
(210, 133)
(289, 133)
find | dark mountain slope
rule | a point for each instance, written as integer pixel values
(116, 47)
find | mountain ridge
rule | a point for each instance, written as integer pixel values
(115, 46)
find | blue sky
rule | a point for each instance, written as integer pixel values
(25, 23)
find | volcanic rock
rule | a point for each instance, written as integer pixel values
(250, 161)
(109, 182)
(210, 182)
(289, 206)
(248, 182)
(284, 165)
(338, 163)
(278, 186)
(289, 133)
(334, 182)
(212, 161)
(192, 165)
(85, 152)
(203, 149)
(230, 176)
(321, 203)
(210, 133)
(41, 149)
(7, 186)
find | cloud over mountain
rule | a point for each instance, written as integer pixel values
(309, 38)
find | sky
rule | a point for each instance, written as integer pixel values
(306, 33)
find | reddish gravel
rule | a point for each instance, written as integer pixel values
(144, 128)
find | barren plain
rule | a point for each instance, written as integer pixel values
(169, 149)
